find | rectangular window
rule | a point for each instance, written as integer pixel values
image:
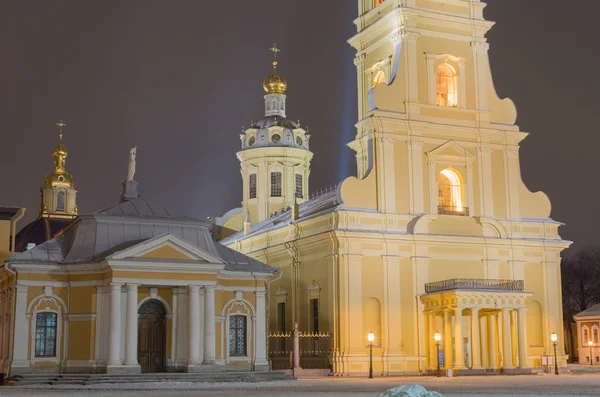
(237, 336)
(299, 185)
(281, 317)
(314, 304)
(585, 336)
(275, 184)
(45, 335)
(595, 333)
(252, 186)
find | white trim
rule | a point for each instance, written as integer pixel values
(58, 337)
(158, 298)
(246, 358)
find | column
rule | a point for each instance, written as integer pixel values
(447, 338)
(522, 338)
(21, 332)
(131, 325)
(507, 343)
(193, 325)
(260, 336)
(484, 341)
(431, 341)
(475, 340)
(114, 325)
(493, 332)
(209, 325)
(459, 350)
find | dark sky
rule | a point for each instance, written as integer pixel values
(180, 78)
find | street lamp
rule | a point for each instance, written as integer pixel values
(438, 338)
(554, 338)
(590, 343)
(371, 338)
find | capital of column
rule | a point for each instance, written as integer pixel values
(484, 151)
(480, 46)
(194, 288)
(415, 145)
(359, 59)
(260, 294)
(402, 35)
(132, 287)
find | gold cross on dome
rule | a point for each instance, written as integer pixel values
(275, 50)
(60, 125)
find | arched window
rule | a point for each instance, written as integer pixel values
(237, 336)
(450, 193)
(45, 334)
(60, 201)
(585, 335)
(446, 85)
(595, 334)
(378, 78)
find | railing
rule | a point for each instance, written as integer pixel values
(322, 192)
(450, 210)
(476, 284)
(314, 349)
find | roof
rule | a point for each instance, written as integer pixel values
(593, 311)
(7, 213)
(39, 231)
(94, 237)
(325, 203)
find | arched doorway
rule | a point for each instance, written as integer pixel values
(152, 346)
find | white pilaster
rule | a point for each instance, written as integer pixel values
(462, 83)
(131, 340)
(209, 325)
(193, 325)
(459, 349)
(21, 334)
(513, 180)
(415, 158)
(114, 332)
(260, 336)
(431, 83)
(484, 161)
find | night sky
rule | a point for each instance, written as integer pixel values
(180, 78)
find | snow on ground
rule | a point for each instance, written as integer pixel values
(522, 386)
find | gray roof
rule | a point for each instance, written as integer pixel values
(327, 202)
(92, 238)
(593, 311)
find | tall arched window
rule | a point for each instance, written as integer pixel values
(378, 78)
(446, 85)
(450, 193)
(60, 201)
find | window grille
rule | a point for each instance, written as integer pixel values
(299, 186)
(45, 335)
(237, 336)
(275, 184)
(252, 186)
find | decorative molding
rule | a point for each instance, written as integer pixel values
(481, 47)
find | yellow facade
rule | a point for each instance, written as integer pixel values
(438, 196)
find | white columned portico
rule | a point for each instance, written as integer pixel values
(475, 340)
(260, 336)
(131, 340)
(209, 325)
(193, 326)
(114, 327)
(507, 342)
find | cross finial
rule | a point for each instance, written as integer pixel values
(274, 50)
(60, 126)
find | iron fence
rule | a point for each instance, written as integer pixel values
(475, 284)
(315, 350)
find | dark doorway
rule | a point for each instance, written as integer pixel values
(152, 346)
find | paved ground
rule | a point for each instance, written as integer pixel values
(524, 386)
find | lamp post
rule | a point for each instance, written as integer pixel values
(590, 343)
(371, 338)
(438, 338)
(554, 338)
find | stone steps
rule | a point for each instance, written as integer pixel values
(91, 379)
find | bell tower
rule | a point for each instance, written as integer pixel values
(275, 156)
(58, 192)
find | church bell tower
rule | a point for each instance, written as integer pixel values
(275, 157)
(58, 192)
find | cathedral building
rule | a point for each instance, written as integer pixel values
(437, 237)
(128, 289)
(58, 201)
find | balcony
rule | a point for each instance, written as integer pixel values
(475, 284)
(449, 210)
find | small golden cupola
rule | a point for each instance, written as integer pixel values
(275, 84)
(58, 192)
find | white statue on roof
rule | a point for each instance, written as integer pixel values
(131, 167)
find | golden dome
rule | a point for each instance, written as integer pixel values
(275, 84)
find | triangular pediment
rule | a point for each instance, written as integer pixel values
(168, 247)
(450, 149)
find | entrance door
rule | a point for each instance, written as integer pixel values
(152, 337)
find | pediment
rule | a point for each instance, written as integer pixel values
(168, 247)
(450, 150)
